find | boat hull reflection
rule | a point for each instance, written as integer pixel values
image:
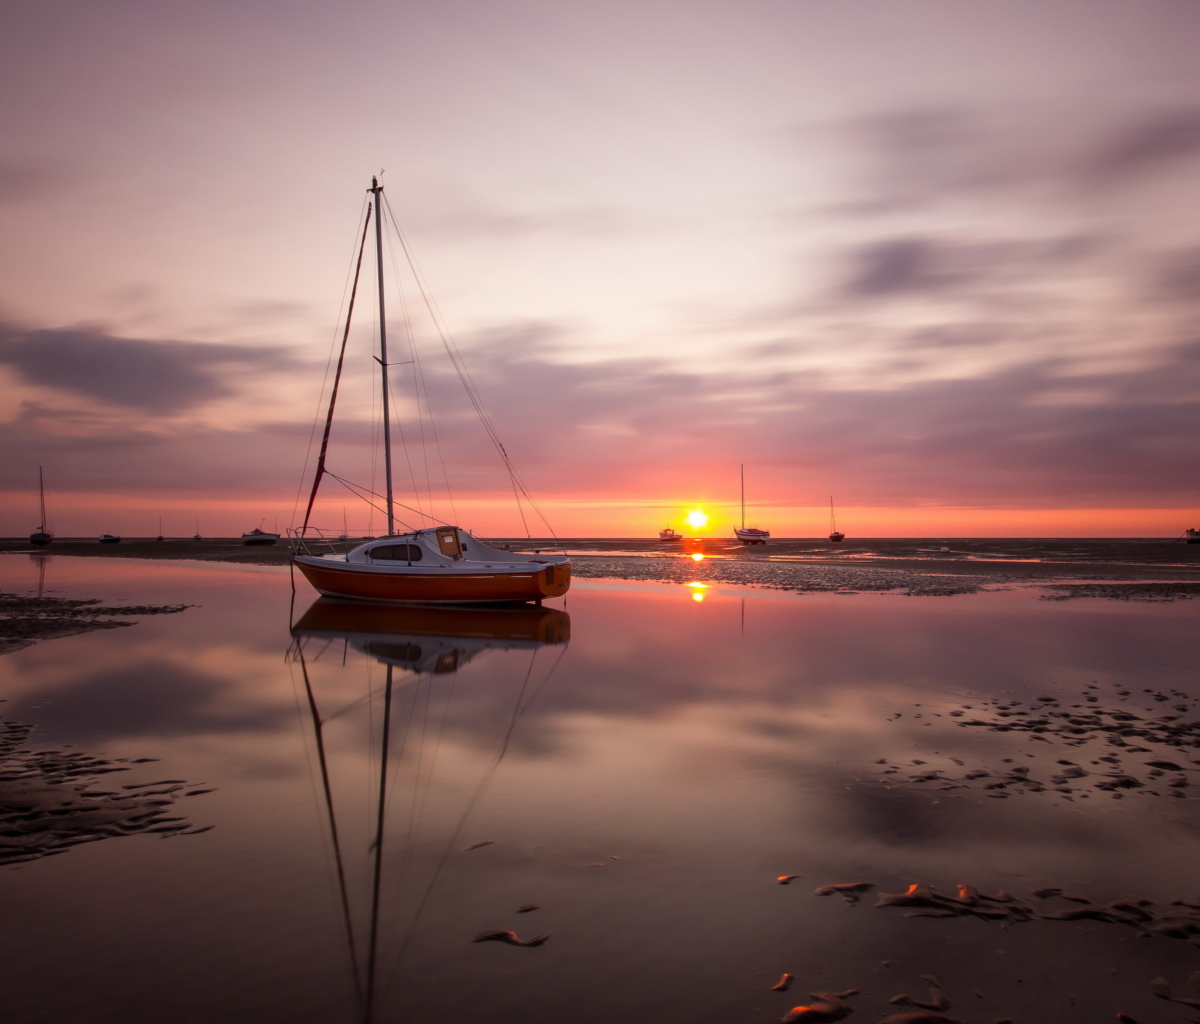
(431, 640)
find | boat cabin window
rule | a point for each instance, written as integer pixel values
(396, 553)
(448, 543)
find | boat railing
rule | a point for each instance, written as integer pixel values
(313, 541)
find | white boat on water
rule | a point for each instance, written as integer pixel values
(749, 534)
(669, 534)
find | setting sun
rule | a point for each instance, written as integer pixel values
(697, 519)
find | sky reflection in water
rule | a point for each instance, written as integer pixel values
(644, 784)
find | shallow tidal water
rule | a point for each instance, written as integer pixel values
(642, 760)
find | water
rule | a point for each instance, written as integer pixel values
(644, 784)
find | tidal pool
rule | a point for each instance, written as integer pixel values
(640, 762)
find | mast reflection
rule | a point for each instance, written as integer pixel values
(423, 641)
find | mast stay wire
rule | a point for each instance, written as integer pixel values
(354, 488)
(328, 363)
(420, 388)
(337, 377)
(464, 376)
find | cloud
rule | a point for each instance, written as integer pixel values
(1158, 141)
(1039, 432)
(150, 376)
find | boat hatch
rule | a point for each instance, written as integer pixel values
(396, 553)
(448, 543)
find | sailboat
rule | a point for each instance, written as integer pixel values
(749, 534)
(834, 536)
(438, 564)
(41, 536)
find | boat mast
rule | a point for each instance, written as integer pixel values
(743, 469)
(41, 500)
(832, 524)
(377, 190)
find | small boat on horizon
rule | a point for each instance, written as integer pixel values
(440, 564)
(41, 536)
(749, 534)
(835, 536)
(108, 538)
(669, 534)
(1192, 536)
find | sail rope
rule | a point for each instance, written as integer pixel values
(359, 491)
(325, 379)
(337, 376)
(464, 376)
(420, 392)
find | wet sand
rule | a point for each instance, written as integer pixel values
(26, 620)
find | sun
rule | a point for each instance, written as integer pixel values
(697, 519)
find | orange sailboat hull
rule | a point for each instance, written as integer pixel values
(338, 580)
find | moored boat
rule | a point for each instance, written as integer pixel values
(442, 564)
(1192, 536)
(749, 534)
(438, 565)
(835, 535)
(42, 535)
(108, 538)
(669, 534)
(258, 537)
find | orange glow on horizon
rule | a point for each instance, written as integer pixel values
(78, 513)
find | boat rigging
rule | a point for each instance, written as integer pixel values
(835, 536)
(749, 534)
(442, 563)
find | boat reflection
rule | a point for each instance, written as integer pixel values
(425, 641)
(431, 640)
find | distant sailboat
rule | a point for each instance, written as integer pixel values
(41, 536)
(196, 535)
(834, 536)
(160, 533)
(749, 534)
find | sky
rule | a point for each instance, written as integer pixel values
(938, 259)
